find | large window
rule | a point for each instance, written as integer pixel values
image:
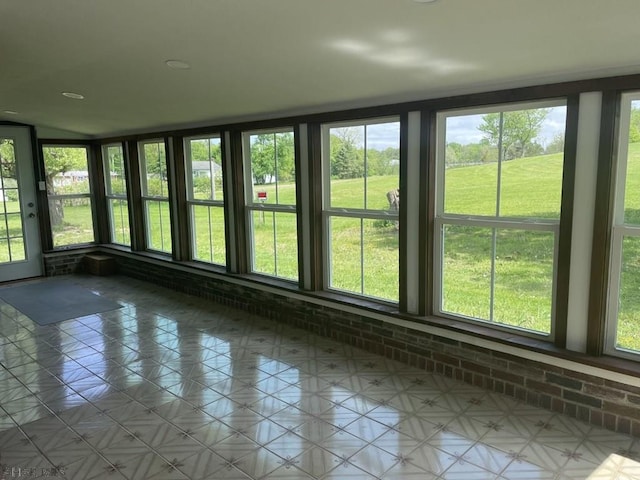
(361, 202)
(69, 194)
(155, 195)
(205, 198)
(499, 186)
(271, 203)
(624, 302)
(116, 190)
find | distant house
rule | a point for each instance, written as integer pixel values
(70, 177)
(204, 168)
(74, 176)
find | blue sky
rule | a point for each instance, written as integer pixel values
(463, 129)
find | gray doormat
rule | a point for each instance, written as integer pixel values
(53, 301)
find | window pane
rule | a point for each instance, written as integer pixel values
(71, 221)
(263, 242)
(18, 252)
(524, 279)
(66, 170)
(531, 179)
(12, 250)
(471, 168)
(521, 152)
(275, 247)
(364, 257)
(364, 164)
(629, 296)
(208, 234)
(382, 155)
(115, 175)
(13, 225)
(466, 271)
(11, 241)
(10, 203)
(158, 225)
(380, 259)
(273, 168)
(286, 245)
(632, 181)
(346, 254)
(205, 164)
(119, 214)
(347, 169)
(154, 170)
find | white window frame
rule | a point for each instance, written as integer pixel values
(619, 231)
(329, 212)
(193, 202)
(485, 221)
(114, 196)
(146, 198)
(252, 205)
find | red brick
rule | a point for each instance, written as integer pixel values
(544, 387)
(603, 392)
(508, 376)
(623, 426)
(596, 418)
(475, 367)
(625, 411)
(441, 357)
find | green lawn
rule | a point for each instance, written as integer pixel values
(365, 254)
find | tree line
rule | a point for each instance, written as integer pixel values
(515, 134)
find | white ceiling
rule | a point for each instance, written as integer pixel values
(254, 59)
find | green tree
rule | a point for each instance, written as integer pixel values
(634, 126)
(470, 154)
(8, 169)
(556, 145)
(59, 160)
(155, 160)
(203, 150)
(345, 161)
(272, 156)
(515, 131)
(481, 152)
(453, 153)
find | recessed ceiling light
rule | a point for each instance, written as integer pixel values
(10, 112)
(75, 96)
(177, 64)
(425, 1)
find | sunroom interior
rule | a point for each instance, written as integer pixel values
(449, 184)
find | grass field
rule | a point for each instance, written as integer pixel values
(365, 253)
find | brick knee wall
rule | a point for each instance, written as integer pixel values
(64, 263)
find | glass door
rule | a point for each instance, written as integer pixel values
(20, 251)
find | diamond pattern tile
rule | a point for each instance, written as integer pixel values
(175, 387)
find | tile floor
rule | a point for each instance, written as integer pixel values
(174, 387)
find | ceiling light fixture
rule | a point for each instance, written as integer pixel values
(75, 96)
(177, 64)
(10, 112)
(425, 1)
